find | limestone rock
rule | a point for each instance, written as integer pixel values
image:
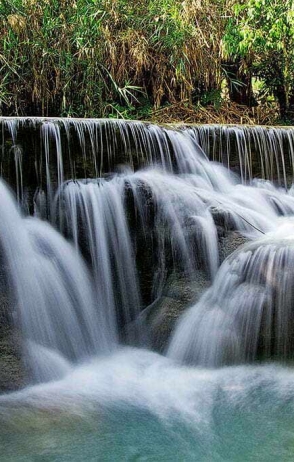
(178, 294)
(230, 242)
(12, 375)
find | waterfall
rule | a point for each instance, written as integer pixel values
(95, 216)
(121, 237)
(54, 294)
(57, 150)
(248, 313)
(120, 206)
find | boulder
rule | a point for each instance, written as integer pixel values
(228, 236)
(230, 242)
(178, 293)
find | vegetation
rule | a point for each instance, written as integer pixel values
(259, 38)
(194, 60)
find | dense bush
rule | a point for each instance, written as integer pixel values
(125, 58)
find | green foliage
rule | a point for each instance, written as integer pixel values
(262, 33)
(211, 97)
(261, 25)
(122, 58)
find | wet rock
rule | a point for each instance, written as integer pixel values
(186, 289)
(178, 294)
(229, 238)
(12, 376)
(230, 242)
(223, 219)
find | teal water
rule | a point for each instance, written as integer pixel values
(138, 406)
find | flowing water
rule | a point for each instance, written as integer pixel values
(102, 213)
(137, 405)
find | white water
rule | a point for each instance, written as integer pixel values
(143, 379)
(137, 405)
(75, 297)
(54, 292)
(60, 149)
(95, 216)
(64, 307)
(248, 311)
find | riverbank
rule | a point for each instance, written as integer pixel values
(226, 113)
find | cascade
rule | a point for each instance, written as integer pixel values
(55, 296)
(118, 207)
(248, 313)
(96, 218)
(56, 150)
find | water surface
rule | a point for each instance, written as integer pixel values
(136, 405)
